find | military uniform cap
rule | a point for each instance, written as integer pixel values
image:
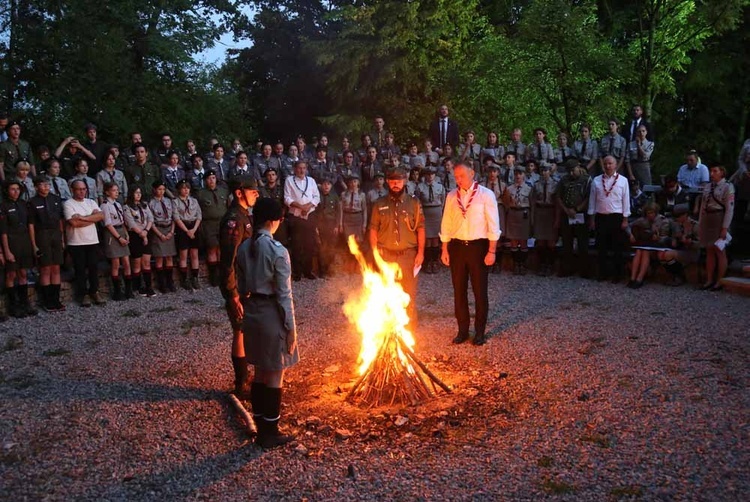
(493, 167)
(417, 162)
(520, 169)
(41, 179)
(379, 175)
(396, 173)
(571, 163)
(242, 183)
(210, 172)
(182, 183)
(11, 124)
(352, 176)
(680, 209)
(430, 170)
(89, 126)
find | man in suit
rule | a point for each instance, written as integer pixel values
(630, 127)
(443, 130)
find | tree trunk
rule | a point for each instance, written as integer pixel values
(10, 85)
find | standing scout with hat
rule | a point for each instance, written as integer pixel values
(274, 189)
(213, 202)
(397, 232)
(572, 200)
(13, 150)
(519, 217)
(328, 224)
(432, 196)
(17, 250)
(236, 227)
(163, 246)
(716, 212)
(546, 220)
(264, 282)
(495, 185)
(187, 216)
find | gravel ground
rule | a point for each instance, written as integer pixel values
(585, 391)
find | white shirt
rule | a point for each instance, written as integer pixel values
(80, 236)
(301, 191)
(482, 219)
(694, 177)
(618, 200)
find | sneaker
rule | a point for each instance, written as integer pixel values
(150, 293)
(143, 292)
(98, 299)
(85, 301)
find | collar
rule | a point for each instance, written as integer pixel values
(264, 231)
(398, 198)
(607, 176)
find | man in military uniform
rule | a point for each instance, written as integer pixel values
(46, 231)
(159, 156)
(213, 201)
(274, 189)
(141, 173)
(397, 232)
(327, 222)
(14, 149)
(235, 227)
(573, 200)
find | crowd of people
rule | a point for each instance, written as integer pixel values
(148, 211)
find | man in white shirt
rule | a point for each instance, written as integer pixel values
(301, 196)
(469, 233)
(609, 208)
(692, 175)
(81, 216)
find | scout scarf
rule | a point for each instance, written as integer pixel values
(463, 209)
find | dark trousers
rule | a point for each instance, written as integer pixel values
(304, 245)
(467, 263)
(569, 234)
(405, 261)
(85, 269)
(610, 244)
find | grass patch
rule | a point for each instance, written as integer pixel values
(163, 310)
(12, 343)
(626, 491)
(599, 440)
(545, 462)
(557, 487)
(130, 313)
(56, 352)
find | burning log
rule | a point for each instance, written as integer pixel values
(390, 371)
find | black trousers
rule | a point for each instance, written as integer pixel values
(85, 269)
(610, 244)
(569, 234)
(467, 263)
(304, 245)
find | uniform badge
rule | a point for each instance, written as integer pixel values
(231, 223)
(137, 178)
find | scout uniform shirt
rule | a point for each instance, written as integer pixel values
(376, 193)
(274, 192)
(542, 153)
(10, 153)
(431, 194)
(14, 218)
(45, 213)
(142, 176)
(59, 187)
(518, 148)
(213, 203)
(137, 219)
(162, 211)
(573, 192)
(235, 227)
(113, 213)
(544, 192)
(586, 150)
(113, 176)
(187, 210)
(614, 146)
(330, 211)
(719, 197)
(396, 221)
(518, 196)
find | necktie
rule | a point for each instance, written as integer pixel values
(351, 201)
(585, 145)
(611, 144)
(545, 192)
(633, 127)
(539, 152)
(164, 208)
(216, 198)
(54, 185)
(442, 133)
(431, 194)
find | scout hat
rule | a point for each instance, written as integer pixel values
(397, 173)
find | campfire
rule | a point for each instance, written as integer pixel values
(389, 370)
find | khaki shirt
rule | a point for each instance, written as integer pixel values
(718, 197)
(396, 222)
(518, 196)
(213, 203)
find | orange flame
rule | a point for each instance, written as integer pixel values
(379, 310)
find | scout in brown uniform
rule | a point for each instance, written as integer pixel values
(716, 212)
(685, 245)
(187, 216)
(432, 196)
(235, 227)
(519, 218)
(546, 220)
(163, 247)
(397, 232)
(274, 189)
(497, 187)
(328, 223)
(213, 202)
(138, 221)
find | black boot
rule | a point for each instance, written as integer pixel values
(138, 286)
(239, 364)
(117, 290)
(522, 257)
(55, 298)
(24, 304)
(169, 280)
(268, 434)
(677, 271)
(541, 254)
(213, 274)
(185, 279)
(194, 282)
(516, 262)
(12, 305)
(147, 284)
(129, 288)
(161, 281)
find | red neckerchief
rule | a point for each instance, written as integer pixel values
(471, 198)
(607, 192)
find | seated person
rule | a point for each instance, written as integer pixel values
(650, 230)
(671, 195)
(685, 244)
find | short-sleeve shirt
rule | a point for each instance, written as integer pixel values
(396, 221)
(80, 236)
(45, 213)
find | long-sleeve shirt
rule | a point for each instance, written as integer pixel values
(609, 195)
(301, 191)
(481, 219)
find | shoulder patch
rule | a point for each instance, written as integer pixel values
(277, 244)
(231, 223)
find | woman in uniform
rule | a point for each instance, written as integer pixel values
(431, 157)
(353, 217)
(264, 282)
(187, 216)
(470, 151)
(497, 187)
(23, 169)
(17, 249)
(562, 153)
(413, 182)
(116, 243)
(650, 230)
(493, 149)
(716, 212)
(81, 167)
(109, 174)
(546, 223)
(432, 196)
(162, 237)
(138, 220)
(519, 217)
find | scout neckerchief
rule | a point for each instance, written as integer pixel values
(612, 187)
(463, 209)
(307, 182)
